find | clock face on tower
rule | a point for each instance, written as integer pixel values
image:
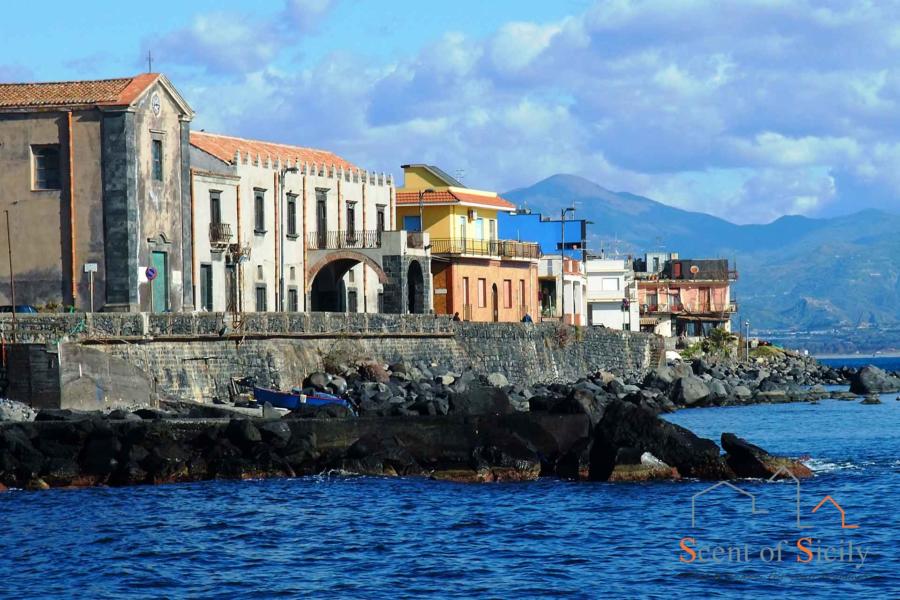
(155, 105)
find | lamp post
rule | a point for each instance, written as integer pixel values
(422, 207)
(283, 235)
(562, 261)
(747, 339)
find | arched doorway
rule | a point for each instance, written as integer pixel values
(495, 305)
(415, 288)
(328, 292)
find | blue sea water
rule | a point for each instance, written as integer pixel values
(888, 363)
(360, 537)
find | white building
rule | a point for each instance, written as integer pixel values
(612, 294)
(270, 216)
(562, 283)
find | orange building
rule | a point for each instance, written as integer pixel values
(475, 274)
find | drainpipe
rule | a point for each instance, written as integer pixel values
(239, 268)
(74, 288)
(193, 253)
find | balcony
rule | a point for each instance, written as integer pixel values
(337, 240)
(219, 236)
(492, 248)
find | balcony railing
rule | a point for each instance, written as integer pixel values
(336, 240)
(678, 308)
(219, 234)
(500, 248)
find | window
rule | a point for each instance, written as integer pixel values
(293, 300)
(493, 228)
(292, 215)
(259, 211)
(507, 293)
(462, 228)
(351, 276)
(352, 301)
(522, 301)
(380, 225)
(215, 207)
(259, 272)
(351, 217)
(609, 284)
(412, 223)
(46, 167)
(261, 305)
(465, 283)
(156, 150)
(206, 287)
(482, 293)
(293, 273)
(479, 229)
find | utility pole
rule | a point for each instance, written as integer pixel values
(12, 278)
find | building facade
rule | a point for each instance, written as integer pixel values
(684, 298)
(612, 299)
(288, 228)
(563, 286)
(95, 179)
(475, 274)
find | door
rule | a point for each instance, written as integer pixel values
(206, 287)
(322, 223)
(230, 288)
(495, 309)
(160, 285)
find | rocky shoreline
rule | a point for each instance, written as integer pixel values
(426, 420)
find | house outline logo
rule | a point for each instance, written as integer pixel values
(785, 471)
(753, 509)
(844, 524)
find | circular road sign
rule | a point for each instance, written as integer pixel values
(151, 273)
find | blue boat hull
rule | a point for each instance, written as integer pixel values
(292, 401)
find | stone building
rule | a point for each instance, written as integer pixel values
(95, 175)
(476, 274)
(271, 217)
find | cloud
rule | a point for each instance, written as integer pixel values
(744, 108)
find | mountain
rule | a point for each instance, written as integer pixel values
(796, 273)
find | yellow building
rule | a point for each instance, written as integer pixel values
(474, 273)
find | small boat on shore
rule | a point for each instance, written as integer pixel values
(294, 399)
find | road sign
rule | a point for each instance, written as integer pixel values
(90, 267)
(151, 273)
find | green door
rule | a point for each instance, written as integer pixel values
(161, 283)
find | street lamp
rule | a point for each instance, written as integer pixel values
(422, 207)
(747, 338)
(283, 235)
(562, 262)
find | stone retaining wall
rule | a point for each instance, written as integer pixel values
(185, 356)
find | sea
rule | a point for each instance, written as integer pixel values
(832, 536)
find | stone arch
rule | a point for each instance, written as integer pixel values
(415, 288)
(343, 256)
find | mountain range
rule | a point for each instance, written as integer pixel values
(795, 273)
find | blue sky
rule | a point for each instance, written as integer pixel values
(746, 109)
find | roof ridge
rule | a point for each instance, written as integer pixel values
(259, 141)
(126, 78)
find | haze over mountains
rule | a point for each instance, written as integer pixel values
(795, 273)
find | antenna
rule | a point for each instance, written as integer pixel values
(149, 61)
(460, 174)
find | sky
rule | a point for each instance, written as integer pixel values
(745, 109)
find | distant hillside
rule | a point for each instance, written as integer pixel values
(795, 273)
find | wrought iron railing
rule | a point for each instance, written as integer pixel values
(219, 233)
(501, 248)
(335, 240)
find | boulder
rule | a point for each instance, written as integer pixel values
(872, 380)
(276, 433)
(742, 392)
(373, 371)
(634, 465)
(243, 432)
(871, 399)
(748, 460)
(690, 390)
(13, 411)
(626, 425)
(497, 380)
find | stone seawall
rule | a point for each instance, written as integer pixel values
(105, 359)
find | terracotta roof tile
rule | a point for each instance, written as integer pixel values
(454, 196)
(224, 148)
(106, 92)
